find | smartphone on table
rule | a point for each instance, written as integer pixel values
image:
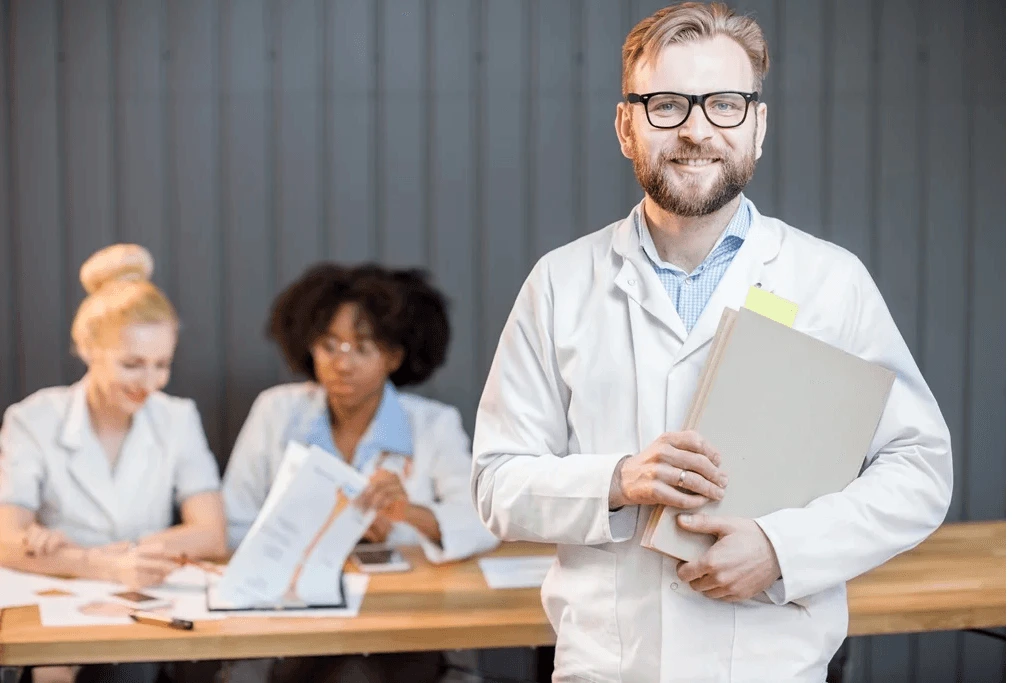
(376, 558)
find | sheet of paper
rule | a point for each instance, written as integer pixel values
(90, 604)
(19, 588)
(306, 530)
(355, 590)
(79, 611)
(515, 572)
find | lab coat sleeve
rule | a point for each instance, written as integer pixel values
(21, 463)
(526, 485)
(247, 478)
(462, 533)
(904, 489)
(196, 470)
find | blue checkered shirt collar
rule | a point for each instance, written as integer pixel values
(731, 239)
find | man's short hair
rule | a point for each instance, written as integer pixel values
(688, 22)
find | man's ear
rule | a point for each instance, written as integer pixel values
(624, 130)
(761, 112)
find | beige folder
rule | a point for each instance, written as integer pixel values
(792, 416)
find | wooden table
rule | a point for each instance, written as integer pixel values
(955, 580)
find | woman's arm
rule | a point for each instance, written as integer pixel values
(65, 559)
(201, 534)
(424, 520)
(135, 567)
(459, 531)
(386, 494)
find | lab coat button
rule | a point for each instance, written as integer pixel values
(631, 282)
(674, 586)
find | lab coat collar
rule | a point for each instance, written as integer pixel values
(641, 284)
(88, 464)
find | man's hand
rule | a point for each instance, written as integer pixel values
(740, 564)
(675, 462)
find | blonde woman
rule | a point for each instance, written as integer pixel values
(90, 474)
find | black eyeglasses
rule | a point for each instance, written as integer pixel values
(726, 109)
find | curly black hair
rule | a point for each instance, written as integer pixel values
(403, 311)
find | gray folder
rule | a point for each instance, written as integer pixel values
(792, 416)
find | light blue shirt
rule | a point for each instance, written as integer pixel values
(690, 292)
(388, 432)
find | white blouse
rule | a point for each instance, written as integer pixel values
(52, 464)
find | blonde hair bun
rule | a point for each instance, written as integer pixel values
(118, 262)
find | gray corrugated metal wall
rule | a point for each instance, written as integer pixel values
(240, 140)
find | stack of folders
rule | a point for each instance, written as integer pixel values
(792, 416)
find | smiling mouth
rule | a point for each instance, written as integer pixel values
(136, 396)
(694, 163)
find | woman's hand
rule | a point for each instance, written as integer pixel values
(144, 565)
(38, 541)
(386, 495)
(379, 530)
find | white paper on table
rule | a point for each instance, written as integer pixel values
(19, 589)
(290, 535)
(184, 588)
(515, 572)
(355, 590)
(68, 612)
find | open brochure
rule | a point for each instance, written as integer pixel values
(292, 556)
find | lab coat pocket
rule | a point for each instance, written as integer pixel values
(579, 599)
(791, 642)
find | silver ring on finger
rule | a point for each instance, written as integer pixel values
(682, 477)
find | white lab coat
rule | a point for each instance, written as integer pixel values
(439, 479)
(52, 463)
(593, 364)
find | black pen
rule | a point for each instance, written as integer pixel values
(161, 620)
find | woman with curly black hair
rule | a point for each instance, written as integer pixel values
(357, 333)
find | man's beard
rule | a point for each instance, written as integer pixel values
(686, 202)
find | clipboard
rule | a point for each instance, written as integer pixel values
(282, 606)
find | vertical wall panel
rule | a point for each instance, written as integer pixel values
(247, 223)
(39, 259)
(944, 311)
(454, 48)
(351, 127)
(196, 245)
(402, 202)
(986, 495)
(297, 92)
(985, 473)
(8, 322)
(87, 66)
(764, 189)
(800, 133)
(504, 230)
(140, 130)
(553, 128)
(895, 262)
(849, 129)
(606, 172)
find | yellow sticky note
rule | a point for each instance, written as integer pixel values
(771, 306)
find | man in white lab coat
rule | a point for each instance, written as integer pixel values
(576, 435)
